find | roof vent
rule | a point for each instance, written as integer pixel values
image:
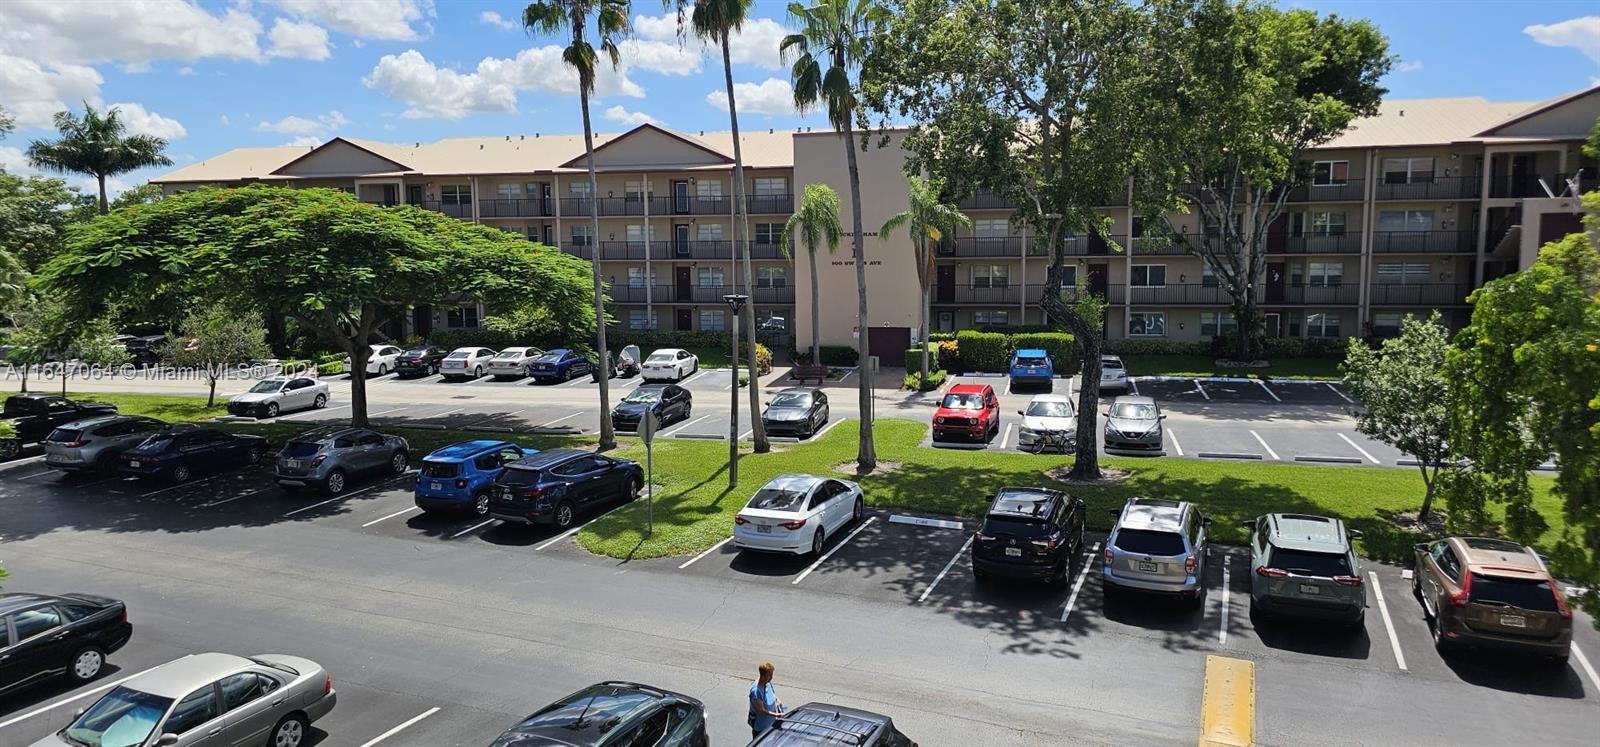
(480, 146)
(702, 133)
(522, 137)
(508, 138)
(769, 130)
(1402, 112)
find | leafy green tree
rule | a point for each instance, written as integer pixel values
(97, 145)
(928, 219)
(335, 265)
(34, 214)
(7, 123)
(833, 40)
(1404, 396)
(143, 194)
(214, 339)
(88, 344)
(611, 23)
(35, 336)
(816, 222)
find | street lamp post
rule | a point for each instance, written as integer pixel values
(735, 302)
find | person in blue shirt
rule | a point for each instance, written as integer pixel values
(765, 707)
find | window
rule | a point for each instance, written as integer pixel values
(579, 188)
(1403, 272)
(632, 189)
(1407, 170)
(991, 317)
(769, 319)
(771, 185)
(991, 228)
(244, 687)
(710, 232)
(991, 276)
(1069, 276)
(1215, 324)
(712, 320)
(74, 613)
(1330, 173)
(772, 277)
(1324, 274)
(198, 708)
(535, 190)
(582, 234)
(1149, 276)
(30, 623)
(1147, 324)
(1322, 325)
(509, 191)
(1325, 223)
(636, 233)
(636, 277)
(711, 277)
(1405, 220)
(456, 194)
(1387, 324)
(769, 233)
(1208, 277)
(462, 317)
(707, 189)
(5, 634)
(638, 319)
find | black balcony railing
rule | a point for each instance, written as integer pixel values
(985, 201)
(516, 208)
(383, 202)
(635, 251)
(1340, 243)
(978, 294)
(452, 209)
(1343, 294)
(1352, 189)
(982, 246)
(1438, 188)
(1525, 185)
(1424, 242)
(1419, 294)
(769, 204)
(1197, 294)
(698, 294)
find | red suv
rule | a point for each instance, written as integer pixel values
(967, 411)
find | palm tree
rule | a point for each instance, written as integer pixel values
(611, 22)
(836, 33)
(817, 221)
(716, 20)
(97, 145)
(927, 219)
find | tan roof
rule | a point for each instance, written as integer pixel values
(1412, 122)
(239, 163)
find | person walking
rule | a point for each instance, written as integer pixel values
(765, 707)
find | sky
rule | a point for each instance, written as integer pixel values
(210, 75)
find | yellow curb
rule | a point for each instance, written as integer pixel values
(1228, 713)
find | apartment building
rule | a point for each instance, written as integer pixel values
(1406, 212)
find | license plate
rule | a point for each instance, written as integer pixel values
(293, 463)
(437, 485)
(763, 529)
(134, 464)
(1015, 552)
(1514, 621)
(1310, 589)
(1148, 566)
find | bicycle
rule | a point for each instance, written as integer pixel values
(1061, 441)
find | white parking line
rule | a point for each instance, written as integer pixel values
(1268, 390)
(1264, 445)
(79, 696)
(1134, 385)
(1364, 453)
(346, 494)
(947, 567)
(490, 420)
(298, 416)
(678, 429)
(585, 379)
(1222, 630)
(1394, 640)
(446, 412)
(1201, 390)
(237, 497)
(1008, 387)
(1583, 661)
(1005, 438)
(401, 512)
(575, 529)
(19, 462)
(473, 528)
(825, 429)
(402, 726)
(384, 412)
(847, 374)
(835, 549)
(557, 420)
(1341, 394)
(38, 474)
(182, 485)
(708, 551)
(1175, 445)
(1078, 585)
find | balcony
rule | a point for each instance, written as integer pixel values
(1342, 243)
(634, 251)
(516, 208)
(1187, 294)
(1424, 242)
(1343, 294)
(697, 294)
(1438, 188)
(982, 246)
(452, 209)
(991, 295)
(985, 201)
(1420, 294)
(769, 204)
(1524, 185)
(1350, 190)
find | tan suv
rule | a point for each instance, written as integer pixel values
(1491, 593)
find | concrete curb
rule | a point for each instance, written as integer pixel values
(1328, 459)
(1226, 455)
(1235, 380)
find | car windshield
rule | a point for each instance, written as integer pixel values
(440, 469)
(64, 435)
(661, 358)
(1134, 412)
(777, 499)
(587, 716)
(551, 357)
(123, 718)
(1111, 364)
(519, 476)
(301, 448)
(792, 399)
(643, 395)
(1049, 410)
(1527, 594)
(508, 354)
(962, 402)
(418, 352)
(158, 442)
(459, 354)
(263, 387)
(1150, 542)
(1030, 361)
(1303, 563)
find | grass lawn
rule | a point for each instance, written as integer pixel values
(1200, 365)
(174, 409)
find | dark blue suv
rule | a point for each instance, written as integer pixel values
(460, 477)
(560, 364)
(553, 487)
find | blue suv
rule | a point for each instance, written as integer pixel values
(1032, 366)
(460, 477)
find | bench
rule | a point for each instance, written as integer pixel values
(801, 373)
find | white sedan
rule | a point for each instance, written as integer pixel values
(512, 363)
(466, 363)
(380, 359)
(669, 364)
(1047, 413)
(271, 396)
(797, 514)
(1113, 374)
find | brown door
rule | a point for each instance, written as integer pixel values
(1276, 234)
(413, 194)
(889, 344)
(680, 278)
(1275, 282)
(945, 284)
(685, 320)
(1097, 280)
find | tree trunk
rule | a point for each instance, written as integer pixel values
(608, 439)
(25, 378)
(866, 453)
(816, 314)
(211, 395)
(358, 351)
(741, 234)
(922, 309)
(1428, 482)
(1086, 334)
(733, 417)
(105, 206)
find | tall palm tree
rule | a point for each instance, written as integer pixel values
(611, 22)
(927, 219)
(716, 20)
(97, 145)
(817, 221)
(836, 33)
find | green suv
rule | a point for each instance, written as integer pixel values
(1304, 566)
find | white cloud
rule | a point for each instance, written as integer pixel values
(432, 91)
(34, 93)
(1409, 66)
(772, 96)
(757, 44)
(322, 125)
(311, 140)
(389, 20)
(632, 119)
(298, 40)
(224, 120)
(186, 70)
(14, 160)
(132, 32)
(142, 121)
(666, 58)
(1581, 33)
(495, 19)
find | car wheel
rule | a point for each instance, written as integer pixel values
(817, 541)
(383, 369)
(272, 409)
(686, 409)
(1440, 642)
(859, 511)
(480, 503)
(564, 516)
(10, 448)
(290, 732)
(334, 482)
(398, 463)
(253, 456)
(180, 473)
(86, 665)
(433, 368)
(634, 486)
(980, 578)
(320, 402)
(477, 372)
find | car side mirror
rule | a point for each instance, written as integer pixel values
(1105, 414)
(80, 713)
(1161, 417)
(1019, 412)
(1354, 534)
(167, 740)
(1114, 512)
(1420, 547)
(1248, 524)
(1205, 522)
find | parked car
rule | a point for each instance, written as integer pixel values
(460, 477)
(325, 458)
(1113, 374)
(512, 363)
(823, 725)
(381, 359)
(419, 361)
(36, 415)
(968, 411)
(796, 411)
(1157, 546)
(1048, 415)
(95, 444)
(669, 364)
(208, 700)
(272, 396)
(613, 714)
(1032, 366)
(628, 361)
(553, 487)
(797, 514)
(178, 454)
(1031, 533)
(594, 367)
(44, 637)
(1491, 593)
(1305, 566)
(1134, 423)
(670, 403)
(561, 364)
(466, 363)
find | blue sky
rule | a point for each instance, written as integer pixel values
(213, 75)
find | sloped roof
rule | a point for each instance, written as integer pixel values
(1414, 122)
(239, 163)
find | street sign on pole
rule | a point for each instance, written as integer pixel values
(647, 431)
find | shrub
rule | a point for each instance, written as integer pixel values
(1058, 345)
(1223, 346)
(950, 357)
(832, 355)
(914, 381)
(941, 336)
(326, 358)
(763, 360)
(1129, 346)
(744, 381)
(650, 339)
(983, 351)
(914, 358)
(330, 369)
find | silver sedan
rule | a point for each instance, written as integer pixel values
(1134, 423)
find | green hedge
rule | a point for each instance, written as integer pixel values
(1129, 346)
(941, 336)
(331, 369)
(648, 340)
(914, 382)
(988, 352)
(1058, 345)
(832, 355)
(914, 358)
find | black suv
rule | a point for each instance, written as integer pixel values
(43, 637)
(553, 487)
(1033, 533)
(422, 361)
(614, 714)
(823, 725)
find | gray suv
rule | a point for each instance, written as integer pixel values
(325, 458)
(94, 444)
(1157, 546)
(1304, 566)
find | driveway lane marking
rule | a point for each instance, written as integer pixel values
(1175, 445)
(1201, 390)
(1268, 390)
(1583, 661)
(401, 512)
(835, 549)
(1388, 624)
(473, 528)
(1341, 394)
(1357, 447)
(1078, 585)
(947, 566)
(1222, 634)
(679, 429)
(557, 420)
(79, 696)
(1007, 437)
(1264, 445)
(707, 551)
(403, 725)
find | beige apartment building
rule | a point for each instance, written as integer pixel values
(1407, 212)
